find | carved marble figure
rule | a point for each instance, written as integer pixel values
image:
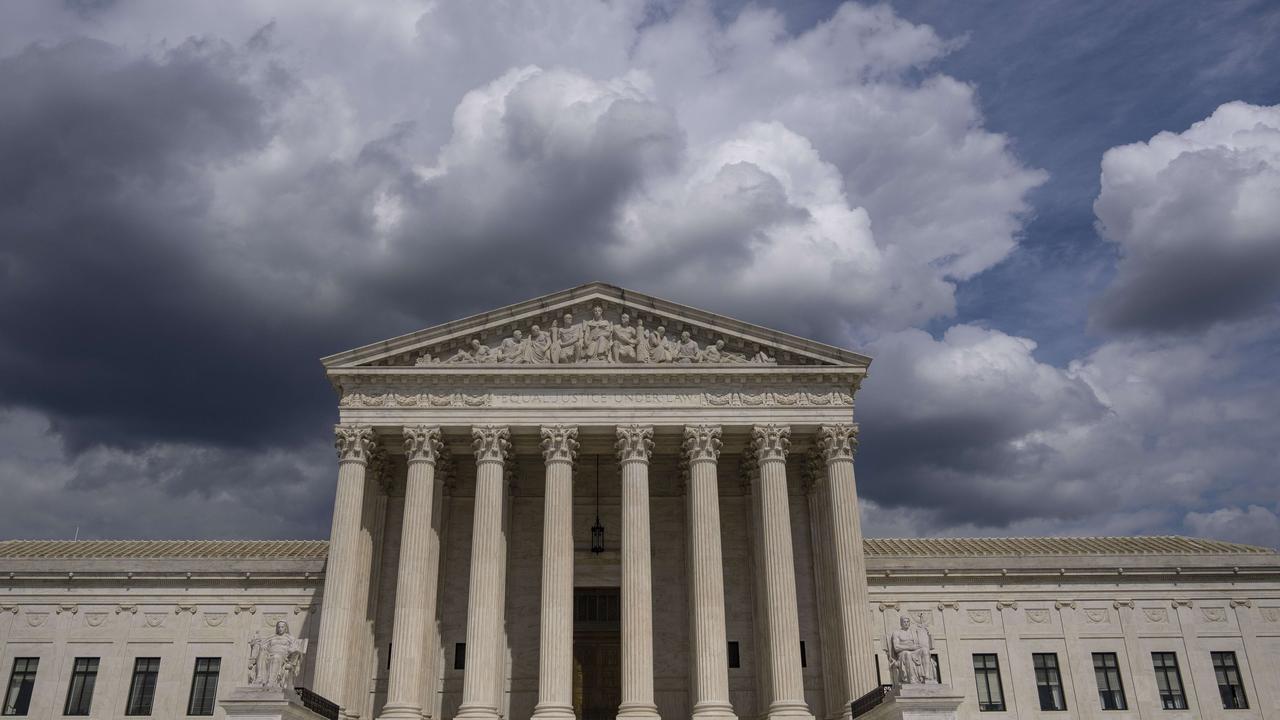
(514, 349)
(566, 340)
(625, 341)
(642, 342)
(539, 346)
(909, 648)
(275, 661)
(687, 351)
(479, 353)
(599, 335)
(762, 357)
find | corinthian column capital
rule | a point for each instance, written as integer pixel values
(422, 443)
(635, 442)
(771, 442)
(701, 442)
(491, 443)
(838, 442)
(355, 443)
(559, 443)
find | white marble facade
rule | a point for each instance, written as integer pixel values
(469, 457)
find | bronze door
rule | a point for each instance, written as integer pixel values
(598, 662)
(597, 653)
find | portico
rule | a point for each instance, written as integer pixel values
(465, 496)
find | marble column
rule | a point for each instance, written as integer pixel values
(416, 581)
(750, 477)
(555, 644)
(362, 668)
(834, 687)
(635, 446)
(770, 443)
(709, 648)
(848, 571)
(355, 443)
(492, 446)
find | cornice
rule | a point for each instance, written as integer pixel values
(601, 374)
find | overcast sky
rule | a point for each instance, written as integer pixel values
(1054, 225)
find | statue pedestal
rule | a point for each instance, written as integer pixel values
(933, 701)
(255, 703)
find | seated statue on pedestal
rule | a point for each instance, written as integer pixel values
(909, 660)
(275, 661)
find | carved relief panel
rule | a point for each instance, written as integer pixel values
(601, 333)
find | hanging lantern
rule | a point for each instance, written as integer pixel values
(597, 530)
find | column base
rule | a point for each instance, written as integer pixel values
(553, 711)
(789, 710)
(401, 712)
(713, 711)
(638, 711)
(478, 712)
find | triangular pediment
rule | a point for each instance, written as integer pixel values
(596, 325)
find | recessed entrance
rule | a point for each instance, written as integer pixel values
(597, 653)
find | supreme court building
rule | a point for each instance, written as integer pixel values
(601, 504)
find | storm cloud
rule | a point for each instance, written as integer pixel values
(197, 203)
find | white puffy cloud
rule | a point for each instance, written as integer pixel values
(842, 182)
(1196, 220)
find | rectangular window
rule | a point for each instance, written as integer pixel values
(17, 700)
(1110, 689)
(142, 689)
(460, 656)
(204, 686)
(1169, 680)
(735, 656)
(1049, 681)
(986, 672)
(84, 675)
(1229, 685)
(804, 658)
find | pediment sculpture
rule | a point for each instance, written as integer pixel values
(598, 340)
(275, 661)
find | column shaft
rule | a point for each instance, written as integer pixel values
(706, 577)
(361, 672)
(555, 649)
(849, 579)
(635, 445)
(416, 580)
(833, 675)
(484, 604)
(764, 673)
(771, 445)
(337, 616)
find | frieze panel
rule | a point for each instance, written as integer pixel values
(1156, 615)
(1214, 614)
(764, 398)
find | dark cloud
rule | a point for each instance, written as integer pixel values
(121, 316)
(195, 211)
